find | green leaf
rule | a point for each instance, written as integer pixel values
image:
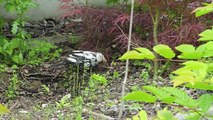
(192, 55)
(146, 53)
(189, 52)
(15, 43)
(200, 11)
(191, 72)
(181, 97)
(206, 35)
(165, 115)
(179, 80)
(138, 53)
(160, 94)
(10, 7)
(131, 55)
(193, 116)
(142, 115)
(3, 109)
(205, 102)
(210, 67)
(140, 96)
(201, 86)
(3, 41)
(99, 78)
(195, 65)
(18, 58)
(185, 48)
(164, 51)
(15, 27)
(208, 49)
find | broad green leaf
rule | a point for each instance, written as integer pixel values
(160, 94)
(164, 50)
(181, 97)
(206, 35)
(203, 10)
(142, 115)
(185, 48)
(208, 49)
(195, 65)
(201, 86)
(3, 109)
(209, 45)
(191, 55)
(184, 71)
(189, 52)
(201, 50)
(194, 68)
(205, 102)
(210, 67)
(179, 80)
(131, 55)
(140, 96)
(165, 115)
(146, 53)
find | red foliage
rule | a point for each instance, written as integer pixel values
(186, 34)
(106, 29)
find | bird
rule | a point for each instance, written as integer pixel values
(83, 58)
(86, 58)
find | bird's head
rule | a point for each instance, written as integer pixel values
(100, 58)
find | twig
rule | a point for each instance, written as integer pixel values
(102, 116)
(127, 61)
(126, 36)
(171, 60)
(14, 105)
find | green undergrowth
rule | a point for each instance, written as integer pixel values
(195, 73)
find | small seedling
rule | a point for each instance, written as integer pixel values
(45, 88)
(116, 74)
(64, 102)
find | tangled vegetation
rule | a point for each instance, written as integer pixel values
(160, 33)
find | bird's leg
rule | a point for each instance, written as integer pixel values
(84, 72)
(75, 86)
(80, 77)
(90, 67)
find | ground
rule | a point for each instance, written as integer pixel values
(42, 89)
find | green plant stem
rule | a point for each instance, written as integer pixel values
(164, 67)
(155, 37)
(86, 2)
(127, 61)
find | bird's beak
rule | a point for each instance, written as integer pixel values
(104, 60)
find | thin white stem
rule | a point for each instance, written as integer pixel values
(127, 61)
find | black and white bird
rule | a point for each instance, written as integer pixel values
(86, 58)
(83, 58)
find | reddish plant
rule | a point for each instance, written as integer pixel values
(186, 34)
(106, 29)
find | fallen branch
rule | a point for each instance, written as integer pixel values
(101, 116)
